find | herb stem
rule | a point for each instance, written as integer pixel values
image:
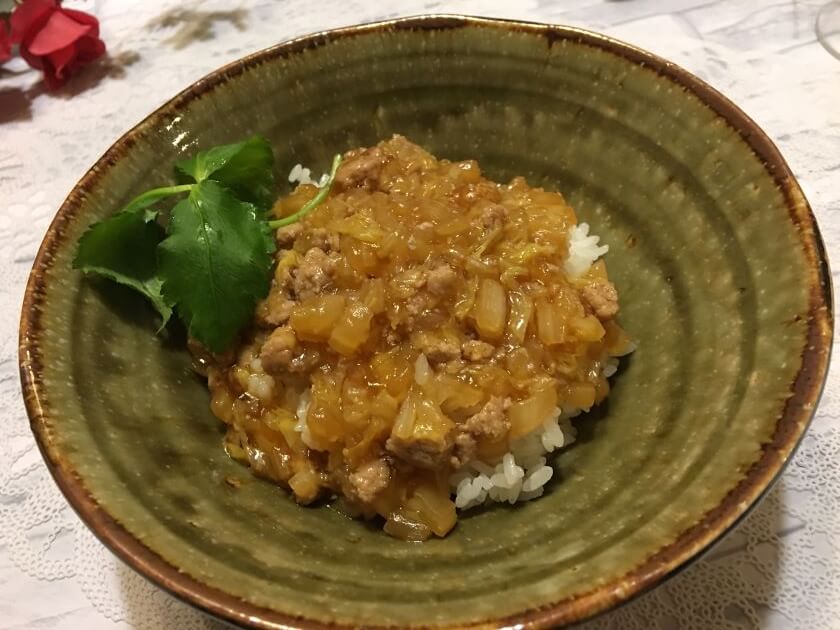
(151, 196)
(313, 203)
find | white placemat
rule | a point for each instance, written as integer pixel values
(779, 569)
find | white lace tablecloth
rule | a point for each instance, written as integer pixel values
(779, 569)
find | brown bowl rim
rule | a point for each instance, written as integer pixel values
(806, 387)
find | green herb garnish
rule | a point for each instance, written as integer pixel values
(104, 250)
(247, 168)
(313, 203)
(212, 263)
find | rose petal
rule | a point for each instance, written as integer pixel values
(59, 32)
(83, 18)
(88, 49)
(5, 43)
(31, 14)
(60, 59)
(53, 82)
(32, 60)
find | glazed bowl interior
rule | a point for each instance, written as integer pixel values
(712, 248)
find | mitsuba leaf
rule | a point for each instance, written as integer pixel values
(247, 168)
(151, 197)
(123, 248)
(215, 263)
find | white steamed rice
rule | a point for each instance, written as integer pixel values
(300, 413)
(521, 474)
(301, 175)
(583, 250)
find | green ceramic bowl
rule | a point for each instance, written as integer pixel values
(717, 258)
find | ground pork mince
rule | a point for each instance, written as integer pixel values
(427, 333)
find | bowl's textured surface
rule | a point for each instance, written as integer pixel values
(715, 253)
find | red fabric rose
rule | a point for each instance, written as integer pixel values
(55, 40)
(5, 43)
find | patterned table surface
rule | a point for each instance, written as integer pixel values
(779, 569)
